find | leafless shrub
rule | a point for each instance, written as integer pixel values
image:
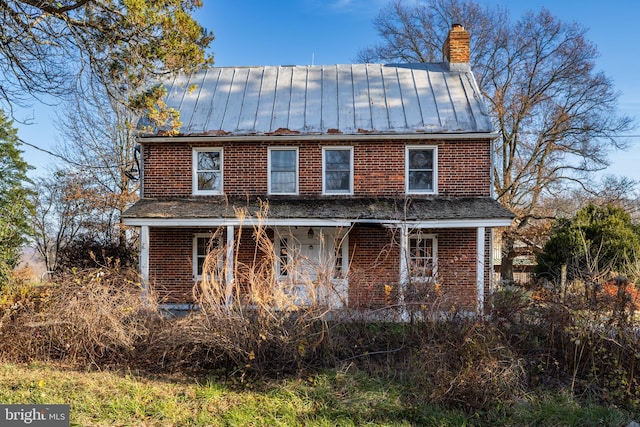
(256, 324)
(469, 365)
(92, 317)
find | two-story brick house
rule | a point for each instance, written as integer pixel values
(382, 171)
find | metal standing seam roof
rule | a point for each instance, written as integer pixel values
(328, 99)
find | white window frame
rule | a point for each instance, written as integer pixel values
(196, 255)
(434, 256)
(408, 149)
(194, 170)
(271, 150)
(348, 191)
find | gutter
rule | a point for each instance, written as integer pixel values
(319, 137)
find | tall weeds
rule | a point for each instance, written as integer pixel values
(90, 317)
(260, 325)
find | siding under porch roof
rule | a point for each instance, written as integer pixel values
(346, 99)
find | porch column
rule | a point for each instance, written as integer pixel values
(229, 266)
(404, 269)
(144, 260)
(480, 256)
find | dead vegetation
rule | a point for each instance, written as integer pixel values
(100, 318)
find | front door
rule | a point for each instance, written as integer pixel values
(307, 262)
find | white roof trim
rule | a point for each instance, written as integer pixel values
(223, 222)
(250, 221)
(448, 223)
(317, 137)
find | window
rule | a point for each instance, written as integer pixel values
(421, 176)
(337, 168)
(284, 258)
(422, 256)
(341, 246)
(203, 245)
(207, 171)
(283, 170)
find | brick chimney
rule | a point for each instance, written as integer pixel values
(455, 50)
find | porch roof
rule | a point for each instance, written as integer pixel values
(379, 210)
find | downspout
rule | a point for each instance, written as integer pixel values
(140, 149)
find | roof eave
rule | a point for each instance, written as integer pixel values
(319, 137)
(327, 222)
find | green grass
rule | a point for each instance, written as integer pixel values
(329, 399)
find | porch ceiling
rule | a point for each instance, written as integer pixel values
(351, 209)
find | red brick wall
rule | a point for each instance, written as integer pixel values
(379, 170)
(464, 168)
(170, 263)
(457, 265)
(374, 263)
(167, 170)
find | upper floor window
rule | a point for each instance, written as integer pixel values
(421, 169)
(283, 171)
(337, 170)
(207, 171)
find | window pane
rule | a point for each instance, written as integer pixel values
(421, 159)
(284, 257)
(283, 160)
(338, 160)
(209, 161)
(208, 181)
(419, 180)
(200, 267)
(201, 252)
(337, 268)
(337, 181)
(202, 244)
(283, 182)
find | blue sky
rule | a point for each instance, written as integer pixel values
(298, 32)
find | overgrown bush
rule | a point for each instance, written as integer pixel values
(586, 345)
(87, 252)
(92, 317)
(258, 327)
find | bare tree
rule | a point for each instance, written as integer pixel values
(60, 215)
(45, 44)
(556, 114)
(98, 133)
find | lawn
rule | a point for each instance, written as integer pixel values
(332, 398)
